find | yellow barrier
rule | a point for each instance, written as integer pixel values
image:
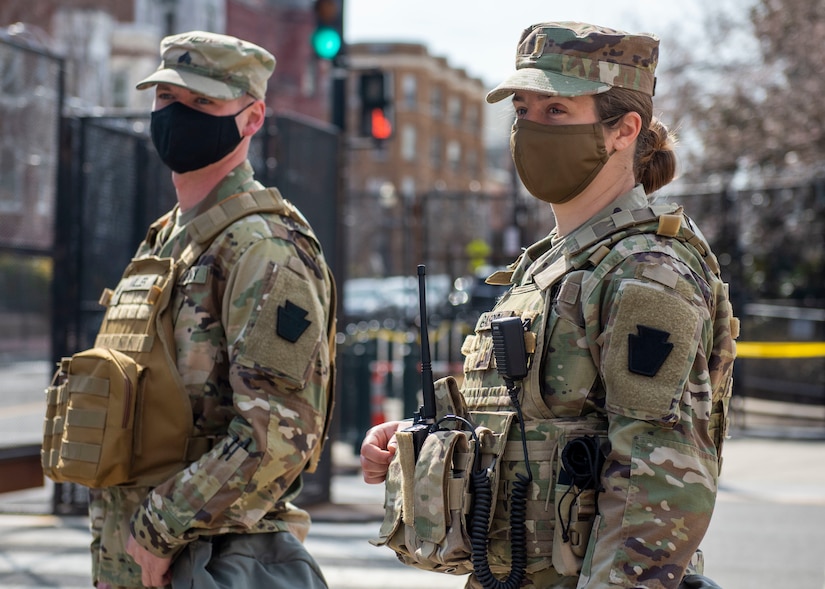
(780, 349)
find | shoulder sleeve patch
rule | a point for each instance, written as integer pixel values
(650, 344)
(289, 327)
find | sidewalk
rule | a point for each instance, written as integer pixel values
(768, 530)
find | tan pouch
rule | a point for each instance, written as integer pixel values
(428, 502)
(575, 508)
(99, 391)
(53, 423)
(578, 509)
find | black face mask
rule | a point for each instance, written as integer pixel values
(187, 139)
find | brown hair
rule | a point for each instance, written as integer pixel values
(654, 163)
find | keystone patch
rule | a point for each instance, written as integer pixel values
(292, 322)
(647, 351)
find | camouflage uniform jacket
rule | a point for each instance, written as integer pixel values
(641, 331)
(257, 383)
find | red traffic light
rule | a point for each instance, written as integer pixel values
(380, 127)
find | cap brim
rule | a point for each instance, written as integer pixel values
(544, 82)
(191, 81)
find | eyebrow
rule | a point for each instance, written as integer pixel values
(542, 97)
(172, 88)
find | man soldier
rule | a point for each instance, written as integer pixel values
(251, 319)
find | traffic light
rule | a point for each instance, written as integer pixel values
(376, 111)
(328, 38)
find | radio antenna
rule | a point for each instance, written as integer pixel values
(427, 411)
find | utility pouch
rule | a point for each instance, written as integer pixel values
(578, 479)
(91, 410)
(53, 423)
(425, 520)
(428, 502)
(95, 434)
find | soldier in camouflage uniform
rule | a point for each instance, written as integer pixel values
(630, 320)
(251, 322)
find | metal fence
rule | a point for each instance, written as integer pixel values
(112, 186)
(31, 94)
(770, 238)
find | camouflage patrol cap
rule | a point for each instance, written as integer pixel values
(577, 59)
(218, 66)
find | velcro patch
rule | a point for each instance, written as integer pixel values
(650, 344)
(289, 311)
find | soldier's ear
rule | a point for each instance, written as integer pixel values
(254, 119)
(624, 133)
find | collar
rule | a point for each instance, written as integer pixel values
(240, 179)
(544, 252)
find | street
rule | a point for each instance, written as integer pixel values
(23, 401)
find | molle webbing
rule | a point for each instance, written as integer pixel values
(593, 243)
(205, 227)
(616, 223)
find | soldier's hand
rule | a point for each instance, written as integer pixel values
(377, 450)
(154, 570)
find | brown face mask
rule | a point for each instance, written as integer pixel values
(557, 162)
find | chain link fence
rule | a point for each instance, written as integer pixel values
(31, 87)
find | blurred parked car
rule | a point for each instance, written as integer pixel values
(471, 295)
(395, 298)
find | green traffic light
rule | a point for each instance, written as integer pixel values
(326, 42)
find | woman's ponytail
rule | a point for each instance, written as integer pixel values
(654, 163)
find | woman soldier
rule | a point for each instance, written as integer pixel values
(626, 320)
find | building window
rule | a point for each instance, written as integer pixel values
(472, 163)
(408, 137)
(472, 118)
(436, 147)
(454, 155)
(121, 90)
(454, 110)
(408, 187)
(436, 99)
(409, 87)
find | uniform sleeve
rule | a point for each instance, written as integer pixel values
(660, 475)
(275, 314)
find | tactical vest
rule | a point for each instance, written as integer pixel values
(429, 502)
(118, 414)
